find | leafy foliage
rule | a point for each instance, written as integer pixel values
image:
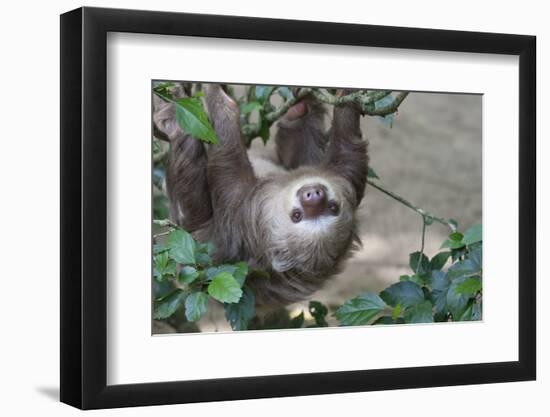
(452, 295)
(185, 267)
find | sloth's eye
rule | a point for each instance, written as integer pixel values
(296, 216)
(333, 207)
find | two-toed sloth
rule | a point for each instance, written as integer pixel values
(294, 219)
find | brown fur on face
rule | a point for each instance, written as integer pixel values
(217, 194)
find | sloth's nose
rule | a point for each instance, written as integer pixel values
(313, 199)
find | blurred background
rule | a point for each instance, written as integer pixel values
(430, 154)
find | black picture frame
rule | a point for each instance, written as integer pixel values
(84, 207)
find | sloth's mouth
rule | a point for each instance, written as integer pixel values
(314, 203)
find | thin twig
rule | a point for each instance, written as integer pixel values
(365, 100)
(420, 211)
(287, 105)
(162, 234)
(422, 244)
(166, 223)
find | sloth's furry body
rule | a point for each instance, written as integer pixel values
(293, 215)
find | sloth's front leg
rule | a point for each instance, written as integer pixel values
(346, 153)
(301, 137)
(230, 174)
(185, 168)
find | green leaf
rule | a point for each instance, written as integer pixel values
(388, 320)
(438, 261)
(215, 270)
(383, 102)
(285, 93)
(419, 263)
(239, 314)
(264, 131)
(473, 234)
(396, 311)
(472, 312)
(162, 289)
(187, 275)
(421, 279)
(454, 241)
(438, 296)
(457, 303)
(419, 313)
(249, 107)
(167, 306)
(195, 305)
(452, 244)
(203, 253)
(193, 120)
(360, 310)
(263, 92)
(160, 206)
(225, 288)
(406, 293)
(181, 247)
(475, 254)
(163, 266)
(463, 268)
(372, 174)
(297, 322)
(456, 236)
(470, 286)
(240, 273)
(319, 312)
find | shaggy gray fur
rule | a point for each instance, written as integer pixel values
(216, 194)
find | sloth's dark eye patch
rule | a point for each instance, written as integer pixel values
(333, 207)
(296, 216)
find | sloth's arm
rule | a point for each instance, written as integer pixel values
(185, 169)
(347, 151)
(230, 174)
(301, 137)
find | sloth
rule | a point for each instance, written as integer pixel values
(294, 216)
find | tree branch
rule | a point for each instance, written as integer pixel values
(366, 99)
(388, 109)
(426, 215)
(166, 223)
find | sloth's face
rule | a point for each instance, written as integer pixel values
(312, 224)
(312, 202)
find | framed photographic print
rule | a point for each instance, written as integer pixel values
(258, 208)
